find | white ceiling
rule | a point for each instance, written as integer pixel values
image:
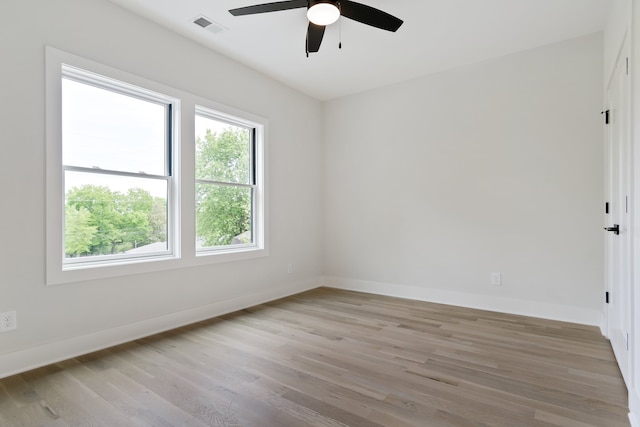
(435, 36)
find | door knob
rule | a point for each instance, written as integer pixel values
(615, 229)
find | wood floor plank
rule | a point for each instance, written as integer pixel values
(330, 358)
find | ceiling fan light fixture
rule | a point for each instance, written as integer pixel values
(323, 13)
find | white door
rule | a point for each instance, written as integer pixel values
(618, 192)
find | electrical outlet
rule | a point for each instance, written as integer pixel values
(496, 279)
(8, 321)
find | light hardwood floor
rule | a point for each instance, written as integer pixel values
(335, 358)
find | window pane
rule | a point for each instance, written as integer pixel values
(107, 214)
(109, 130)
(223, 151)
(223, 215)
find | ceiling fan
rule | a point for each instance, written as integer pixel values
(325, 12)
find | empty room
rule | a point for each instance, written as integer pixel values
(320, 213)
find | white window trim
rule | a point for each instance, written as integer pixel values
(258, 236)
(183, 232)
(100, 81)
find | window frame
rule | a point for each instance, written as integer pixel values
(182, 208)
(122, 88)
(253, 182)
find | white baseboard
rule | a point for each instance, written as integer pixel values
(45, 354)
(603, 326)
(52, 352)
(483, 302)
(634, 407)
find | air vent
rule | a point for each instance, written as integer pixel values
(203, 22)
(208, 24)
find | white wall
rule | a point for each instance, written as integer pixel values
(433, 184)
(58, 321)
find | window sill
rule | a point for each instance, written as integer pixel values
(57, 275)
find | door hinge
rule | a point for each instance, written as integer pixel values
(606, 297)
(627, 59)
(606, 207)
(627, 342)
(606, 116)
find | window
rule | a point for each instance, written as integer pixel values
(225, 181)
(130, 191)
(116, 155)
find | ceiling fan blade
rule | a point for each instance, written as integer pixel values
(369, 15)
(314, 37)
(268, 7)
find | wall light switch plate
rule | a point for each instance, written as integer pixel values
(496, 279)
(8, 321)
